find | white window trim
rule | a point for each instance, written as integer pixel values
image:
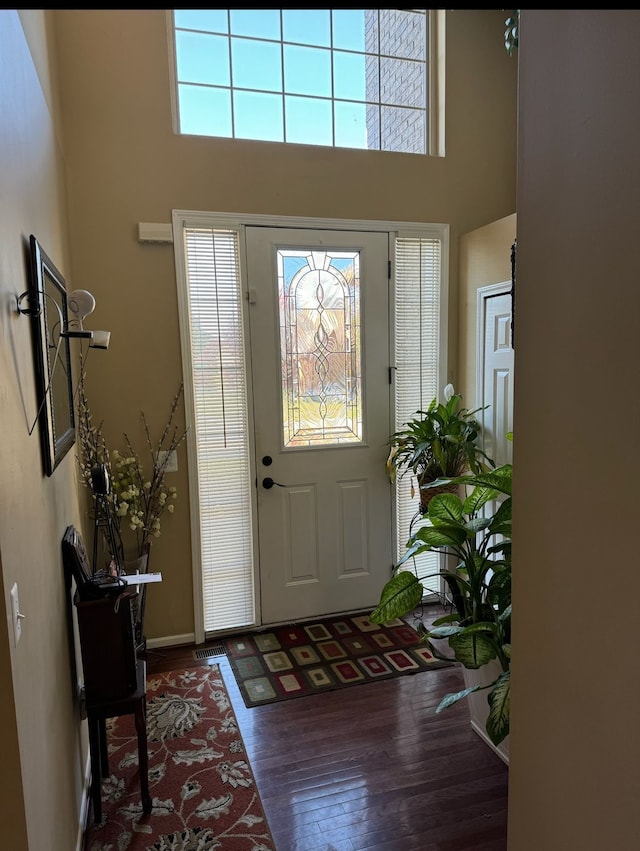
(436, 64)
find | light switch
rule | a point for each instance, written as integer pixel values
(172, 461)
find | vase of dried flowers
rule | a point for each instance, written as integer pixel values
(139, 496)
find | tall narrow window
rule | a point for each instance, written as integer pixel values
(417, 347)
(221, 456)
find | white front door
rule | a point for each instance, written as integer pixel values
(319, 338)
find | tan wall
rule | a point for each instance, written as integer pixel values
(575, 741)
(44, 750)
(125, 165)
(485, 258)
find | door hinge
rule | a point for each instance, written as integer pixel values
(389, 270)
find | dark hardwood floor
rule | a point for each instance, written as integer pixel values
(369, 767)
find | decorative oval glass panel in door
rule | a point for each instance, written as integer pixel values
(319, 309)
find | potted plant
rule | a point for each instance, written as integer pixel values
(478, 629)
(441, 442)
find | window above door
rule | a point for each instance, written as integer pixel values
(345, 78)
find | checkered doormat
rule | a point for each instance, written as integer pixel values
(332, 653)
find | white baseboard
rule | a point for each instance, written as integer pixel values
(171, 640)
(84, 805)
(502, 749)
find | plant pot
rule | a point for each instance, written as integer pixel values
(427, 494)
(136, 564)
(479, 704)
(133, 565)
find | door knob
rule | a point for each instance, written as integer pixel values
(269, 483)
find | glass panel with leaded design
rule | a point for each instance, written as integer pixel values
(320, 347)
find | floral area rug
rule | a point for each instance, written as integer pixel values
(309, 658)
(202, 788)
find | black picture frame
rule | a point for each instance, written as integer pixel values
(52, 357)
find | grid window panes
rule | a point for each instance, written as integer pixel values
(349, 78)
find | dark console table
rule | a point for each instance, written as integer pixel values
(110, 613)
(114, 682)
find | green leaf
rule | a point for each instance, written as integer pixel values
(445, 507)
(443, 631)
(473, 649)
(506, 613)
(481, 626)
(499, 592)
(500, 479)
(452, 617)
(402, 593)
(503, 512)
(441, 536)
(477, 524)
(478, 497)
(499, 709)
(413, 548)
(497, 725)
(449, 699)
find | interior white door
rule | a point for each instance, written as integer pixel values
(320, 358)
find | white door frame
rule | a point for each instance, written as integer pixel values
(193, 218)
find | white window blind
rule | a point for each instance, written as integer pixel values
(220, 427)
(417, 347)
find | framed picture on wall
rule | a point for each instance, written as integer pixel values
(52, 357)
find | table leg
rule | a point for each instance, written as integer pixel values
(104, 750)
(143, 756)
(96, 779)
